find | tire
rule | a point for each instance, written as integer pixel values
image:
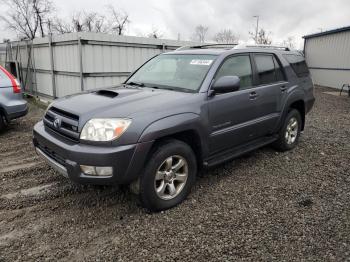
(288, 136)
(167, 176)
(3, 122)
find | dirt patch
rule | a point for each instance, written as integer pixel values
(263, 206)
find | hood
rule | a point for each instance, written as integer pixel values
(122, 102)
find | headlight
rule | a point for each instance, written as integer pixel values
(104, 129)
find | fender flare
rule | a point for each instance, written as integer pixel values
(174, 124)
(293, 97)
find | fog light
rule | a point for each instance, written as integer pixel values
(104, 170)
(97, 170)
(88, 170)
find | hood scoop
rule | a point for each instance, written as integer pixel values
(107, 93)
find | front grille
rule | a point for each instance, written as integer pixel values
(52, 154)
(66, 123)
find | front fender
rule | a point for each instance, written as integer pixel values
(170, 125)
(175, 124)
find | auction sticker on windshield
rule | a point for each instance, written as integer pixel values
(205, 62)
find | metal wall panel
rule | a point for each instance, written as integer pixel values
(328, 57)
(41, 56)
(44, 84)
(66, 58)
(67, 85)
(330, 78)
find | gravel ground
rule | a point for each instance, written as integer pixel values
(263, 206)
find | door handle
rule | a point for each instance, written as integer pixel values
(253, 95)
(283, 88)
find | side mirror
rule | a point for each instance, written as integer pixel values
(226, 84)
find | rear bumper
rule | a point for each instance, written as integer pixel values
(16, 110)
(66, 157)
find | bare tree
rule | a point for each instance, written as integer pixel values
(77, 22)
(42, 9)
(26, 17)
(80, 22)
(263, 38)
(155, 33)
(200, 33)
(100, 24)
(119, 20)
(289, 42)
(59, 26)
(94, 22)
(226, 36)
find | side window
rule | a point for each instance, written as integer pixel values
(266, 69)
(298, 64)
(237, 66)
(278, 70)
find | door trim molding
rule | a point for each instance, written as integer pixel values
(244, 124)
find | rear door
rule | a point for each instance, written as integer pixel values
(270, 89)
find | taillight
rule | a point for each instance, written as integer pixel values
(16, 87)
(14, 82)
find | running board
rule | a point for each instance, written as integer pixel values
(238, 151)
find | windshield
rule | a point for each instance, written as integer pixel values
(176, 72)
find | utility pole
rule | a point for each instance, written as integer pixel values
(257, 28)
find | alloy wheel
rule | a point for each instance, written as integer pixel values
(171, 177)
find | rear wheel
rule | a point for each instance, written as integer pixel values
(290, 132)
(168, 177)
(3, 122)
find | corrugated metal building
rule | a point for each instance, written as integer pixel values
(328, 57)
(70, 63)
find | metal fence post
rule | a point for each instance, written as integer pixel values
(52, 68)
(32, 60)
(80, 47)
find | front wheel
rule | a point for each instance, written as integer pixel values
(168, 176)
(290, 132)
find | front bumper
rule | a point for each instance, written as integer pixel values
(66, 157)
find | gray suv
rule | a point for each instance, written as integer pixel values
(179, 112)
(12, 104)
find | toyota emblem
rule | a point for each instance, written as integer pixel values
(57, 123)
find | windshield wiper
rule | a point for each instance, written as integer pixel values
(178, 89)
(135, 84)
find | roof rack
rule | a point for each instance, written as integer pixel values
(265, 46)
(228, 46)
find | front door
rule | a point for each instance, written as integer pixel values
(231, 115)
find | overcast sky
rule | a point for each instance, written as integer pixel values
(281, 18)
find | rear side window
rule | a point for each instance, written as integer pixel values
(298, 64)
(269, 70)
(278, 71)
(266, 69)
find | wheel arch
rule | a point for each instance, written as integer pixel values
(183, 127)
(294, 101)
(299, 105)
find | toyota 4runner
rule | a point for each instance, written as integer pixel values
(180, 111)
